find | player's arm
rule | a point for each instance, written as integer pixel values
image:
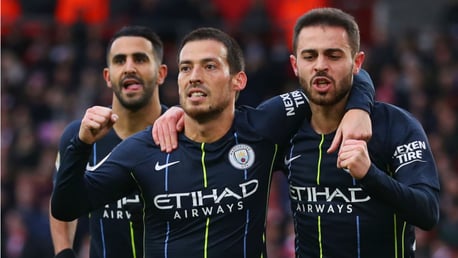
(356, 123)
(412, 189)
(418, 204)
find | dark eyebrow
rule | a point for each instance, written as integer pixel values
(332, 50)
(135, 55)
(308, 51)
(118, 56)
(205, 60)
(327, 51)
(140, 54)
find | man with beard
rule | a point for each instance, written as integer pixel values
(134, 72)
(367, 199)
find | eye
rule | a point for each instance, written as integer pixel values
(184, 68)
(141, 59)
(308, 57)
(210, 66)
(119, 60)
(335, 56)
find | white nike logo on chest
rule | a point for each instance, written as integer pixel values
(158, 167)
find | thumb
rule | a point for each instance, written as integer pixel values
(112, 120)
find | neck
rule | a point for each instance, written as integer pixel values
(131, 122)
(326, 119)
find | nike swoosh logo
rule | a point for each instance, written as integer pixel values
(158, 167)
(288, 161)
(92, 168)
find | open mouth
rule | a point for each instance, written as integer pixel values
(196, 94)
(132, 84)
(321, 82)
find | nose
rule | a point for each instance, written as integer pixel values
(130, 67)
(195, 76)
(321, 63)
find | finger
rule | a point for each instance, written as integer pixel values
(167, 131)
(89, 124)
(100, 119)
(336, 141)
(114, 118)
(172, 136)
(111, 122)
(161, 140)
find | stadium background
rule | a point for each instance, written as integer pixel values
(53, 53)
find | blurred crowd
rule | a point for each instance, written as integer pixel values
(53, 53)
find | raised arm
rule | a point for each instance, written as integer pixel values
(66, 201)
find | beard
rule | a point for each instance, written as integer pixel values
(204, 113)
(341, 89)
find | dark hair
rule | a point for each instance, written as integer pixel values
(329, 17)
(144, 32)
(234, 52)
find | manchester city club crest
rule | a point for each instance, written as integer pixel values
(241, 156)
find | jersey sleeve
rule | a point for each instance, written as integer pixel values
(279, 117)
(362, 93)
(77, 191)
(412, 184)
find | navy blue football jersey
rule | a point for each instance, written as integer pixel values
(336, 215)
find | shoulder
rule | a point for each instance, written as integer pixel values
(384, 113)
(395, 126)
